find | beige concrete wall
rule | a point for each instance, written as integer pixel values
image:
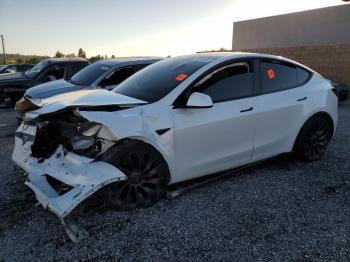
(324, 26)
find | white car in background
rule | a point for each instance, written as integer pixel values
(175, 120)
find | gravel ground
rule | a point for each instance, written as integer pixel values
(281, 210)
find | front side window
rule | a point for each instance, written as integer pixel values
(118, 76)
(227, 83)
(157, 80)
(89, 74)
(276, 77)
(11, 69)
(37, 69)
(53, 73)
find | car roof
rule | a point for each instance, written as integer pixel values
(236, 54)
(116, 61)
(223, 56)
(66, 59)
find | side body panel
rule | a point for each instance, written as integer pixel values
(213, 139)
(282, 115)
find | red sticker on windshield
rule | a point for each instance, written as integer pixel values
(181, 77)
(271, 73)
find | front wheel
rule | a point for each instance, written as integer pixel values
(313, 139)
(147, 174)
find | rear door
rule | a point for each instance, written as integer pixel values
(281, 108)
(209, 140)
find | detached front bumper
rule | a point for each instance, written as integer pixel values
(83, 175)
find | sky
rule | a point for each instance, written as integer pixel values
(132, 27)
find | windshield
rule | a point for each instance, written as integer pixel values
(89, 74)
(37, 68)
(157, 80)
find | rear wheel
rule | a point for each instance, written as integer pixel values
(313, 139)
(147, 174)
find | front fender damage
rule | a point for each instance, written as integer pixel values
(79, 176)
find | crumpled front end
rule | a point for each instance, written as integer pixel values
(60, 154)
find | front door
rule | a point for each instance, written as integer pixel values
(209, 140)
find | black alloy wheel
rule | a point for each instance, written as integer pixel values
(313, 139)
(147, 174)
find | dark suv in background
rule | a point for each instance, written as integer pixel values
(5, 69)
(106, 74)
(14, 85)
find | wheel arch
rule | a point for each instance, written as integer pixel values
(142, 140)
(323, 114)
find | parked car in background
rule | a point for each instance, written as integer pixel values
(342, 91)
(106, 74)
(15, 68)
(178, 119)
(14, 85)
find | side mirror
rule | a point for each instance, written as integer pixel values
(199, 100)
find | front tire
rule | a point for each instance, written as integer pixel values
(313, 139)
(147, 173)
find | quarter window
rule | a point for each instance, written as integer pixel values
(303, 76)
(277, 77)
(227, 83)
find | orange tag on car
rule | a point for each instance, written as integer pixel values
(181, 77)
(271, 73)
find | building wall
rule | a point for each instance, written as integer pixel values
(319, 38)
(324, 26)
(331, 61)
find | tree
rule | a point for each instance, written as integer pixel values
(59, 54)
(95, 58)
(81, 53)
(34, 60)
(20, 60)
(113, 56)
(70, 55)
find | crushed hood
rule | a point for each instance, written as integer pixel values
(82, 98)
(51, 89)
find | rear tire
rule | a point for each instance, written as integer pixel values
(147, 172)
(313, 139)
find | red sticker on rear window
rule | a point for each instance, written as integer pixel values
(271, 73)
(181, 77)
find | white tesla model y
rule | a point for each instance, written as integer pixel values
(177, 119)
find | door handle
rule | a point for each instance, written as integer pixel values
(247, 110)
(302, 99)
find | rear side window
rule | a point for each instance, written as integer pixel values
(303, 76)
(227, 83)
(277, 77)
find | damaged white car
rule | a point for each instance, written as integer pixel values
(178, 119)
